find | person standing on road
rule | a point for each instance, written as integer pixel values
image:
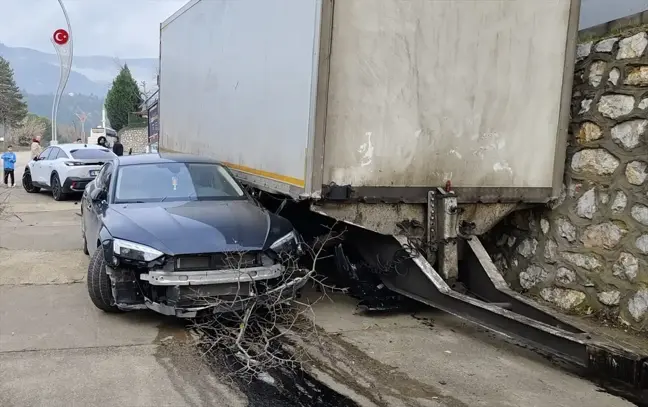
(118, 148)
(35, 147)
(102, 141)
(9, 161)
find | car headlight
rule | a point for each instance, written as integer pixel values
(286, 243)
(135, 251)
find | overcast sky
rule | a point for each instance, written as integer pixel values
(129, 28)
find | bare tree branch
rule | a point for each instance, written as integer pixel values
(251, 336)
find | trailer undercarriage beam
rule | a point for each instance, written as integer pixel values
(521, 320)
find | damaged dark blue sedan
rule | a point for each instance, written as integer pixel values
(179, 235)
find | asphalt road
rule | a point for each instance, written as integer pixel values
(57, 349)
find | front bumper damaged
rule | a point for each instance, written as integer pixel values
(188, 293)
(173, 278)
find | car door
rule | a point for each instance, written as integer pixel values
(38, 167)
(94, 211)
(48, 165)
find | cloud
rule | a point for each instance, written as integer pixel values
(120, 28)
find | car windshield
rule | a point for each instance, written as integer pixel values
(92, 153)
(175, 182)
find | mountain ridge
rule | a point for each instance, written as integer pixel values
(38, 72)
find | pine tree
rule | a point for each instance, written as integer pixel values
(13, 108)
(123, 98)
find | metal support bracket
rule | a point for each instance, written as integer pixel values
(442, 220)
(494, 306)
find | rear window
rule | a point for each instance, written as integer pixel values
(92, 153)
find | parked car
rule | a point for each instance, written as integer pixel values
(179, 235)
(65, 168)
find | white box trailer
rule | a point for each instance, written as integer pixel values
(367, 108)
(389, 97)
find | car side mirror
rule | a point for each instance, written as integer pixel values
(97, 194)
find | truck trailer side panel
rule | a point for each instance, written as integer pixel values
(422, 92)
(237, 84)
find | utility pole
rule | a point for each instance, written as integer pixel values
(103, 116)
(82, 119)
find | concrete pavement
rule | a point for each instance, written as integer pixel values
(430, 358)
(57, 349)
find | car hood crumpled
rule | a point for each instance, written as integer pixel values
(191, 227)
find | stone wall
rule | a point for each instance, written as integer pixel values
(135, 138)
(588, 252)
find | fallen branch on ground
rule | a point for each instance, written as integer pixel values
(250, 338)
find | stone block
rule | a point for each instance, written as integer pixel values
(616, 105)
(566, 229)
(594, 161)
(565, 276)
(636, 76)
(597, 69)
(638, 305)
(636, 172)
(613, 76)
(583, 50)
(628, 134)
(632, 47)
(639, 213)
(606, 235)
(626, 266)
(563, 298)
(589, 132)
(586, 206)
(610, 298)
(606, 45)
(585, 261)
(619, 203)
(533, 276)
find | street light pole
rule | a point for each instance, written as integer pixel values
(82, 118)
(65, 51)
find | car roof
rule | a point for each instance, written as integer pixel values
(75, 146)
(157, 158)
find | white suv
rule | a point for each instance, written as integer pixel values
(65, 168)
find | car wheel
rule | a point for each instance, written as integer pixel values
(27, 183)
(99, 287)
(57, 189)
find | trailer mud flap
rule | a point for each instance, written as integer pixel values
(493, 306)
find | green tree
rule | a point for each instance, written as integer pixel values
(13, 108)
(124, 97)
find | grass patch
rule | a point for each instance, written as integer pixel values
(619, 32)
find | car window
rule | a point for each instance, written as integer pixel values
(61, 154)
(53, 153)
(92, 153)
(173, 181)
(45, 153)
(103, 178)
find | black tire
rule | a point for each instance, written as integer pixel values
(57, 189)
(99, 287)
(27, 183)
